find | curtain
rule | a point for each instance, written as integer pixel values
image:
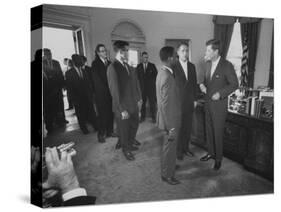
(250, 33)
(223, 31)
(271, 70)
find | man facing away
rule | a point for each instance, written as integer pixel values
(186, 79)
(126, 98)
(168, 115)
(220, 81)
(78, 83)
(147, 73)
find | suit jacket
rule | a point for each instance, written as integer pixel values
(187, 88)
(100, 82)
(124, 88)
(168, 100)
(82, 200)
(224, 80)
(147, 78)
(80, 89)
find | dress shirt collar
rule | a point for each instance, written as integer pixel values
(166, 67)
(215, 63)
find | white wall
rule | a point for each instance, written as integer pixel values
(36, 41)
(98, 23)
(156, 26)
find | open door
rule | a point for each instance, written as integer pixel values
(79, 41)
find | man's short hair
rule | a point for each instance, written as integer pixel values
(182, 44)
(144, 53)
(98, 47)
(166, 52)
(215, 44)
(38, 55)
(120, 45)
(77, 60)
(46, 50)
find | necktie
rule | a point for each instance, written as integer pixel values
(124, 64)
(81, 74)
(105, 62)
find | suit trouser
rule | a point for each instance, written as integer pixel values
(127, 129)
(185, 131)
(151, 96)
(215, 115)
(105, 118)
(169, 156)
(85, 111)
(69, 99)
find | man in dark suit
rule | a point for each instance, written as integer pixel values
(187, 83)
(53, 83)
(220, 81)
(103, 96)
(126, 98)
(147, 73)
(79, 85)
(168, 114)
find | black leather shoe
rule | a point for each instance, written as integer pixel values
(114, 135)
(180, 157)
(206, 157)
(171, 181)
(118, 145)
(136, 143)
(101, 139)
(133, 148)
(129, 155)
(188, 153)
(217, 165)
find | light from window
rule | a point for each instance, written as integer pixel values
(235, 51)
(133, 57)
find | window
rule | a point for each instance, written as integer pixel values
(133, 57)
(235, 51)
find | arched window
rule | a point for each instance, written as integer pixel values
(130, 32)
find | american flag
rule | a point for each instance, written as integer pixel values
(244, 65)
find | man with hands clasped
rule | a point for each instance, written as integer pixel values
(168, 114)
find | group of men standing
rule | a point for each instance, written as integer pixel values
(176, 87)
(109, 90)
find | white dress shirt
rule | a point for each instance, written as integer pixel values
(78, 192)
(184, 67)
(144, 67)
(166, 67)
(214, 66)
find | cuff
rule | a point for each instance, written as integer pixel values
(74, 193)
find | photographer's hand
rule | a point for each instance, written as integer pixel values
(60, 171)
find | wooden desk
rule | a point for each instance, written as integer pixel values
(247, 140)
